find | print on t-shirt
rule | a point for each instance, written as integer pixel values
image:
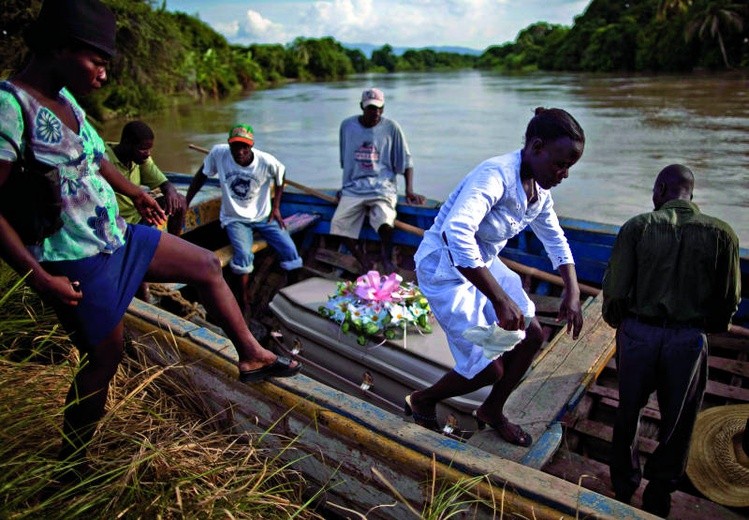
(242, 186)
(367, 155)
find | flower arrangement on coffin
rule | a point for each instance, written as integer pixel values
(376, 305)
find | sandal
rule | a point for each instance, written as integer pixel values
(281, 367)
(425, 421)
(510, 432)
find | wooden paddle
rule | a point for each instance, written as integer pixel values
(519, 268)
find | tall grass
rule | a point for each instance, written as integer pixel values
(155, 454)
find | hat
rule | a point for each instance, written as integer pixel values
(372, 96)
(86, 21)
(242, 134)
(718, 466)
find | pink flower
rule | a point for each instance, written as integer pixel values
(374, 287)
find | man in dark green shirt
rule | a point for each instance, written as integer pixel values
(673, 275)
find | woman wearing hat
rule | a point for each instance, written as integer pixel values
(91, 267)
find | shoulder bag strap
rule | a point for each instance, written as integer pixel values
(28, 152)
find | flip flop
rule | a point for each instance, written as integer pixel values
(510, 432)
(425, 421)
(281, 367)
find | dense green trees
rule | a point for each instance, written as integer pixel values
(633, 35)
(165, 57)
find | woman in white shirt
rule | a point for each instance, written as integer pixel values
(466, 283)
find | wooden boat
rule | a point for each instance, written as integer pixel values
(349, 435)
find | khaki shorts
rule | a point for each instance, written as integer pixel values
(349, 215)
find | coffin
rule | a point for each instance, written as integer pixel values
(382, 373)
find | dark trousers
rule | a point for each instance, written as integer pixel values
(673, 363)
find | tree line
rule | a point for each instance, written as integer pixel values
(633, 36)
(166, 57)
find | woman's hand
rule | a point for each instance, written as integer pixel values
(149, 209)
(59, 288)
(570, 308)
(509, 315)
(415, 198)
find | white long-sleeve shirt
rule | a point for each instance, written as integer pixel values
(488, 208)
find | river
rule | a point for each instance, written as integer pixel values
(634, 125)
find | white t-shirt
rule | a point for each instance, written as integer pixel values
(245, 190)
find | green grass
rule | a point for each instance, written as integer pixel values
(158, 453)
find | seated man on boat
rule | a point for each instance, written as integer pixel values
(251, 188)
(373, 150)
(673, 275)
(470, 289)
(132, 158)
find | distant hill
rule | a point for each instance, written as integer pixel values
(367, 49)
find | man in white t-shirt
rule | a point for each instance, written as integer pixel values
(251, 187)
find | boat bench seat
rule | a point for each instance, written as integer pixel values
(294, 223)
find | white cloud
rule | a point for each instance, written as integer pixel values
(413, 23)
(254, 28)
(417, 23)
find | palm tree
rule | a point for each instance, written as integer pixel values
(716, 19)
(669, 6)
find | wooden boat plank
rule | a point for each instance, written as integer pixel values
(731, 392)
(714, 388)
(550, 389)
(339, 260)
(732, 366)
(605, 432)
(594, 475)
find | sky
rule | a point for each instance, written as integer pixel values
(476, 24)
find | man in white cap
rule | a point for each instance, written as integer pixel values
(373, 150)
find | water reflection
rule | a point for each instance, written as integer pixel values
(635, 125)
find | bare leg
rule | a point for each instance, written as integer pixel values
(84, 405)
(175, 223)
(144, 293)
(358, 253)
(453, 384)
(516, 363)
(240, 283)
(503, 374)
(386, 244)
(177, 260)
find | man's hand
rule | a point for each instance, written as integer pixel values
(149, 209)
(174, 202)
(415, 198)
(276, 215)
